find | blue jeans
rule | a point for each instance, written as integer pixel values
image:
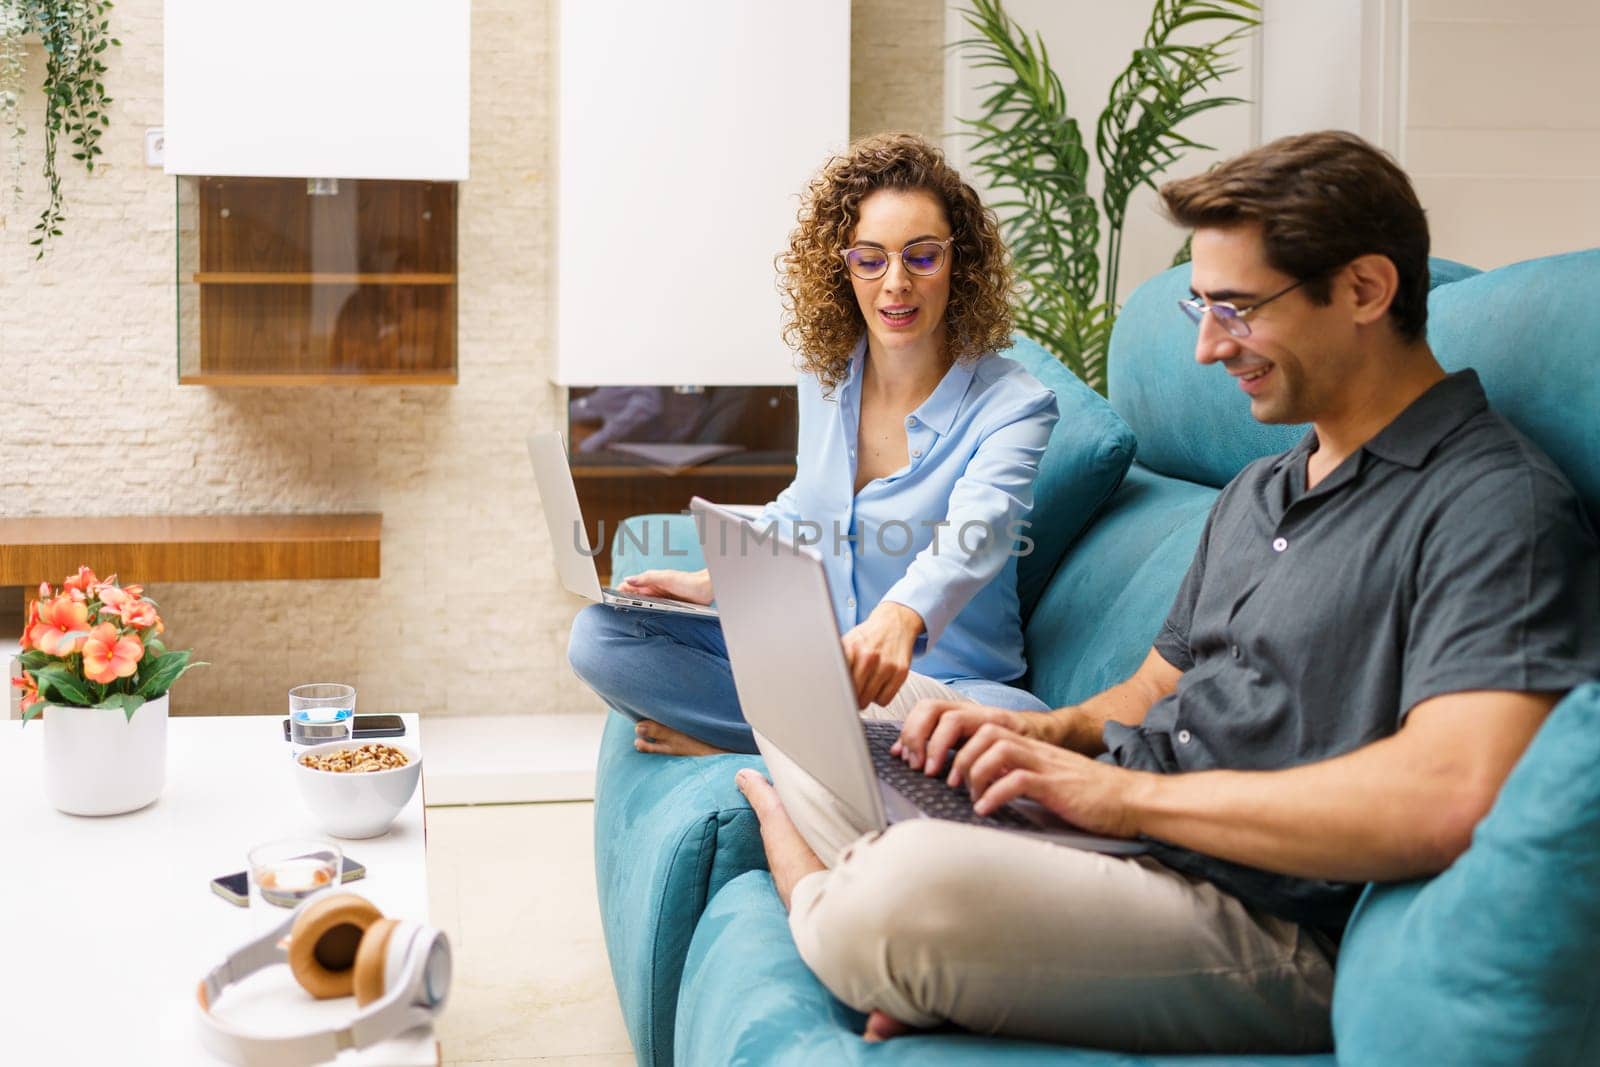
(674, 669)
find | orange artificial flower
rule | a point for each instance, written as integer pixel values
(52, 621)
(84, 581)
(114, 601)
(107, 657)
(141, 613)
(30, 690)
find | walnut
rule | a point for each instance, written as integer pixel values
(369, 757)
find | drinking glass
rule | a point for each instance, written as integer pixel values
(321, 712)
(286, 872)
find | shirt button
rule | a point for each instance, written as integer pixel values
(911, 420)
(1184, 737)
(1235, 651)
(916, 451)
(849, 601)
(1279, 544)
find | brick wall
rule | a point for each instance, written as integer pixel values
(468, 617)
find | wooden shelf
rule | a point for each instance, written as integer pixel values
(191, 548)
(246, 379)
(246, 277)
(281, 287)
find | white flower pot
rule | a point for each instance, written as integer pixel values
(97, 761)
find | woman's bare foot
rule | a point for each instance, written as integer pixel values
(789, 858)
(881, 1027)
(662, 740)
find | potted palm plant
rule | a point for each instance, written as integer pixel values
(1033, 153)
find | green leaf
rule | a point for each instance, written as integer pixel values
(57, 682)
(33, 659)
(128, 702)
(163, 673)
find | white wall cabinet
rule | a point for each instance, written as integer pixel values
(317, 88)
(687, 132)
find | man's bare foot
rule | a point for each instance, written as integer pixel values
(881, 1027)
(789, 858)
(663, 740)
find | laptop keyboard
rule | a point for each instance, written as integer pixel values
(931, 796)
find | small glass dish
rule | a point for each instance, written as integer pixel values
(287, 872)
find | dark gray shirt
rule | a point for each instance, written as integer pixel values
(1446, 554)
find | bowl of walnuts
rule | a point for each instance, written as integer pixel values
(357, 788)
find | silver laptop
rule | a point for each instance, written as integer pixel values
(795, 689)
(570, 539)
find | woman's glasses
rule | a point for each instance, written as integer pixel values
(918, 257)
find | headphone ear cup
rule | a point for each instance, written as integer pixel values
(371, 959)
(325, 941)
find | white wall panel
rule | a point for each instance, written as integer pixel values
(1502, 137)
(687, 132)
(317, 88)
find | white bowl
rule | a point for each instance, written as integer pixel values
(357, 804)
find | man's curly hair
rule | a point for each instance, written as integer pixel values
(822, 320)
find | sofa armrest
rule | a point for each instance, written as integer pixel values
(668, 833)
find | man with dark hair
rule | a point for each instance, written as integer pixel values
(1299, 728)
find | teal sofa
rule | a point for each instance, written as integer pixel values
(1494, 962)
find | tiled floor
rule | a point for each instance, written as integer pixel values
(513, 886)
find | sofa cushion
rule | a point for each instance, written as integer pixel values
(748, 998)
(1193, 422)
(1089, 452)
(1493, 962)
(1102, 610)
(1530, 330)
(667, 834)
(646, 542)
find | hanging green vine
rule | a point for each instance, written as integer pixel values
(74, 35)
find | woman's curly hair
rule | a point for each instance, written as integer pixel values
(822, 320)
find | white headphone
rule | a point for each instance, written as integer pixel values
(336, 944)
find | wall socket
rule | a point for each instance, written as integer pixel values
(155, 146)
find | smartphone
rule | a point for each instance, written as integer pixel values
(235, 887)
(370, 726)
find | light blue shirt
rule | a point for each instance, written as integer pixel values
(942, 534)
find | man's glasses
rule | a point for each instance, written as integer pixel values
(1230, 318)
(919, 257)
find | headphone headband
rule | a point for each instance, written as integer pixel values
(409, 1000)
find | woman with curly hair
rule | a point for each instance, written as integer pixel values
(918, 450)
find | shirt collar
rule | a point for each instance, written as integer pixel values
(851, 383)
(939, 411)
(1413, 433)
(1417, 430)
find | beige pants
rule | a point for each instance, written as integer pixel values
(1002, 933)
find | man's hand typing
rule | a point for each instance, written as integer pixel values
(1000, 766)
(935, 727)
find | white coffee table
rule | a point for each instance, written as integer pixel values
(108, 924)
